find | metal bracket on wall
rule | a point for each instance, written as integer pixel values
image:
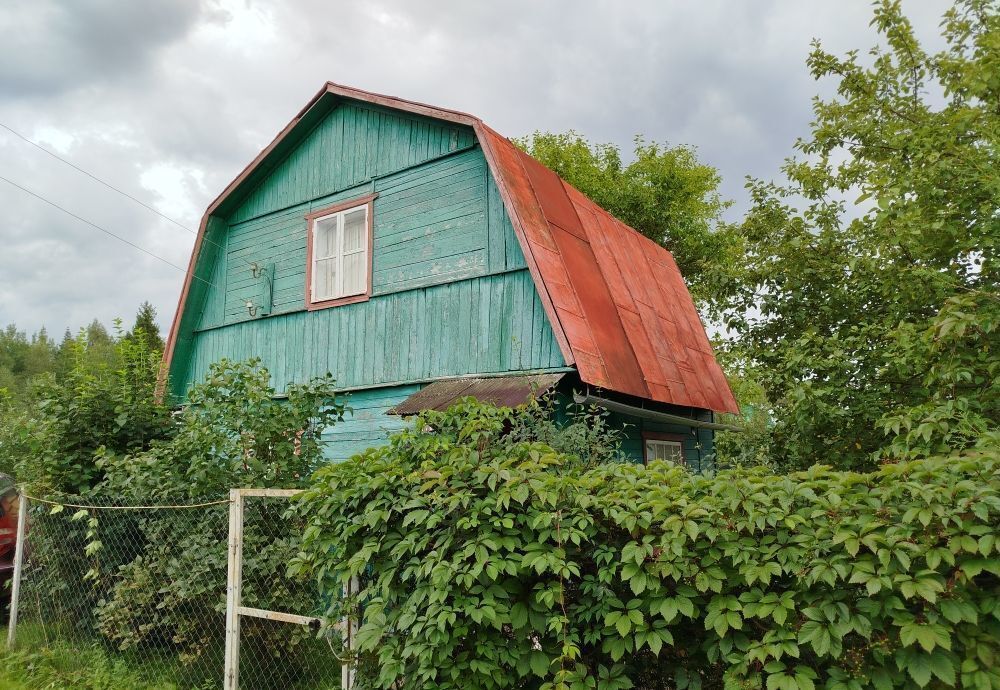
(266, 289)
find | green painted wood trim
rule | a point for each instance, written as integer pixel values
(296, 310)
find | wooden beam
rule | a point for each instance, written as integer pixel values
(269, 493)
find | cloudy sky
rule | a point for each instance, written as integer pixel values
(169, 99)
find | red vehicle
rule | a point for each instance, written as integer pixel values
(8, 535)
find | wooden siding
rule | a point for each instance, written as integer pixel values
(367, 425)
(489, 324)
(450, 293)
(698, 443)
(438, 222)
(353, 144)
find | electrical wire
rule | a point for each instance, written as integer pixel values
(115, 189)
(95, 178)
(252, 265)
(104, 230)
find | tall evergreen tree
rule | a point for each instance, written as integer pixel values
(145, 323)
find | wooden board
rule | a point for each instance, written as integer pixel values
(483, 325)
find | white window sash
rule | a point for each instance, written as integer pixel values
(673, 450)
(338, 255)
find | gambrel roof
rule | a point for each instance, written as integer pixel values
(616, 300)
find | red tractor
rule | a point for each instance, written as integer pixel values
(9, 501)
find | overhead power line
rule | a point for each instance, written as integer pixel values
(113, 188)
(95, 178)
(102, 229)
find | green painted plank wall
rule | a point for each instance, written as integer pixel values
(698, 443)
(367, 425)
(438, 222)
(489, 324)
(450, 295)
(353, 144)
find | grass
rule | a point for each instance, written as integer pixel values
(61, 665)
(42, 660)
(37, 664)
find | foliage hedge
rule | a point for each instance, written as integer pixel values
(491, 562)
(154, 580)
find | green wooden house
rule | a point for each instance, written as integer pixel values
(419, 257)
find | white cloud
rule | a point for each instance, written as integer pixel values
(169, 99)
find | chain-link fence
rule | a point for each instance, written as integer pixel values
(148, 585)
(282, 640)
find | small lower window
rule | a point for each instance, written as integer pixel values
(670, 449)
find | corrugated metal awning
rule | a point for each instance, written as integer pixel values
(504, 391)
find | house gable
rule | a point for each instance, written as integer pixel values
(450, 293)
(614, 304)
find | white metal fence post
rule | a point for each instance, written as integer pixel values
(234, 583)
(349, 629)
(15, 588)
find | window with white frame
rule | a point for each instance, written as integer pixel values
(340, 261)
(662, 449)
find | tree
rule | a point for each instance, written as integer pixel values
(879, 316)
(21, 358)
(98, 406)
(145, 327)
(665, 193)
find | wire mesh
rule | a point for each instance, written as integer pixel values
(275, 654)
(148, 586)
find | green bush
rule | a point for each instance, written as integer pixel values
(486, 563)
(234, 433)
(156, 578)
(103, 400)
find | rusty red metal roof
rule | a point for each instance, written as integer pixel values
(616, 300)
(618, 297)
(504, 391)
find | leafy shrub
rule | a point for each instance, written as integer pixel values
(156, 578)
(235, 432)
(486, 563)
(106, 402)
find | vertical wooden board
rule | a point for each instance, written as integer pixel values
(539, 323)
(353, 134)
(298, 370)
(340, 323)
(433, 342)
(484, 326)
(474, 316)
(351, 338)
(328, 335)
(272, 332)
(371, 340)
(463, 354)
(517, 329)
(416, 320)
(422, 141)
(386, 339)
(487, 325)
(371, 144)
(358, 338)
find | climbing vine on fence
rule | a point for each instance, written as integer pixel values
(487, 563)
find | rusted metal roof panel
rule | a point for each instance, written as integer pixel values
(617, 297)
(505, 391)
